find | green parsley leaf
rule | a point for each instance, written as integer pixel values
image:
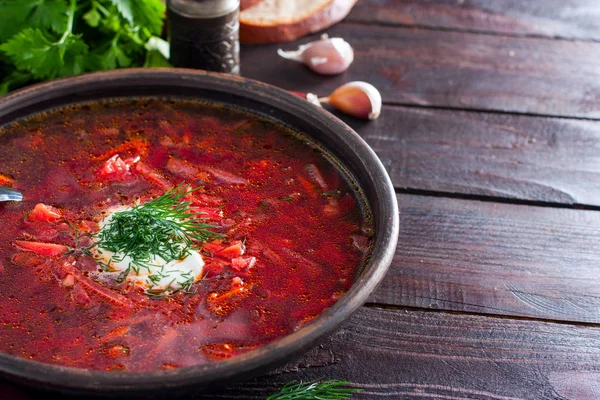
(74, 61)
(92, 17)
(14, 79)
(115, 57)
(45, 39)
(31, 51)
(157, 53)
(51, 14)
(16, 15)
(156, 60)
(111, 20)
(13, 15)
(147, 13)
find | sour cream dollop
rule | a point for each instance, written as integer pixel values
(156, 275)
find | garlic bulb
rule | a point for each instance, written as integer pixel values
(359, 99)
(327, 56)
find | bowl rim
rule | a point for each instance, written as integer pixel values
(266, 356)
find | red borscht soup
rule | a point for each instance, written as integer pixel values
(161, 234)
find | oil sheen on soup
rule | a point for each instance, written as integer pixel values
(157, 234)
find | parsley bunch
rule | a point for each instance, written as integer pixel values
(46, 39)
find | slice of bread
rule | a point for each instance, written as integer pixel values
(273, 21)
(248, 3)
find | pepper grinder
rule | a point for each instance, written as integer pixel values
(204, 34)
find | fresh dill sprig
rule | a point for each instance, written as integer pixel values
(326, 390)
(331, 193)
(163, 227)
(186, 286)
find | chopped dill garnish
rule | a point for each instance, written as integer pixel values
(170, 283)
(163, 227)
(187, 286)
(288, 198)
(331, 193)
(157, 295)
(104, 266)
(207, 253)
(123, 275)
(75, 230)
(331, 389)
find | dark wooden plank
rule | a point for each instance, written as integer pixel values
(451, 69)
(417, 355)
(571, 19)
(528, 158)
(495, 258)
(423, 355)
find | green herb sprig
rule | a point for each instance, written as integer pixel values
(46, 39)
(163, 227)
(326, 390)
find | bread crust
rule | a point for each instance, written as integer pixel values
(252, 32)
(248, 3)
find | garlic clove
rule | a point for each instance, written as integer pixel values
(294, 55)
(359, 99)
(313, 98)
(327, 56)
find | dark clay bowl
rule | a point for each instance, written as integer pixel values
(257, 97)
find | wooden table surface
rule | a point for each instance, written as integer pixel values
(490, 132)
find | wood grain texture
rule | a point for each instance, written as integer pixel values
(570, 19)
(418, 355)
(451, 69)
(492, 258)
(500, 155)
(424, 355)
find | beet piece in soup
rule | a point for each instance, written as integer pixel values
(158, 235)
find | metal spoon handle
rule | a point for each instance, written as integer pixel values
(7, 194)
